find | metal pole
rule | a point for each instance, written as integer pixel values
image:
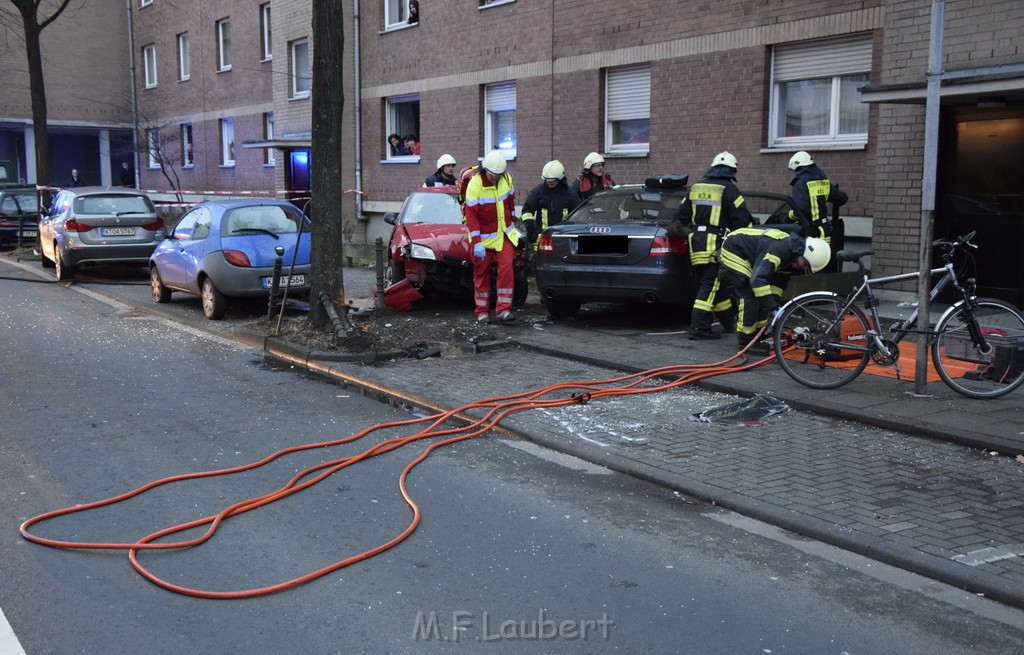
(378, 249)
(929, 174)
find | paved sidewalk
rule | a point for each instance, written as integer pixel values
(890, 486)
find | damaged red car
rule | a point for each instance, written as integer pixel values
(429, 247)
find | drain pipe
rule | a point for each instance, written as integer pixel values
(134, 99)
(358, 112)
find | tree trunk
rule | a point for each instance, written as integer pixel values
(37, 88)
(328, 100)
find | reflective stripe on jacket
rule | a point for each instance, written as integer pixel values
(490, 211)
(758, 253)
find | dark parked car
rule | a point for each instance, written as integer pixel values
(226, 249)
(430, 247)
(89, 225)
(615, 248)
(19, 216)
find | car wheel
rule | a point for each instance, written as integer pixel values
(393, 272)
(156, 285)
(520, 291)
(61, 270)
(214, 302)
(561, 310)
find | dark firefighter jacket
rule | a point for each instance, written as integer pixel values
(712, 208)
(545, 207)
(760, 253)
(812, 195)
(440, 179)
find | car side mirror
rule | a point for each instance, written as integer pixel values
(391, 218)
(44, 211)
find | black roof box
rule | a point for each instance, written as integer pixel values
(667, 182)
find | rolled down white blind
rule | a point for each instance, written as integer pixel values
(628, 92)
(500, 97)
(823, 58)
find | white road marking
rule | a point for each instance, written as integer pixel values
(9, 644)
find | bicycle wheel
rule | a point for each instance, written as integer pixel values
(964, 366)
(816, 346)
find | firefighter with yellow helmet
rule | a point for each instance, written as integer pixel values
(593, 178)
(489, 211)
(812, 193)
(548, 203)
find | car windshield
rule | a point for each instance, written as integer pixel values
(439, 208)
(628, 206)
(113, 205)
(278, 219)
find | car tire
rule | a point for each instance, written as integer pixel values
(214, 302)
(393, 272)
(561, 310)
(61, 269)
(161, 293)
(520, 291)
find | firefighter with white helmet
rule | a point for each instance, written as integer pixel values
(489, 211)
(712, 208)
(758, 262)
(812, 193)
(445, 173)
(593, 178)
(548, 203)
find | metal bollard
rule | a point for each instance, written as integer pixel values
(378, 249)
(275, 284)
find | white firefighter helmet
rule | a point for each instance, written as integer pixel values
(591, 159)
(802, 158)
(725, 158)
(445, 160)
(817, 253)
(553, 170)
(494, 162)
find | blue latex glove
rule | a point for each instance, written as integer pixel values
(478, 250)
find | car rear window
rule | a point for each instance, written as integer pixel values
(29, 202)
(635, 206)
(439, 208)
(113, 205)
(278, 219)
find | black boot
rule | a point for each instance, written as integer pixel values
(703, 334)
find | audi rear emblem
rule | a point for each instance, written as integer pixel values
(600, 230)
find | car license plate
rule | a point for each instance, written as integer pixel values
(28, 233)
(297, 281)
(117, 231)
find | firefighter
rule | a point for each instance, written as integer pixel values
(812, 193)
(549, 202)
(490, 217)
(712, 208)
(758, 262)
(593, 178)
(445, 173)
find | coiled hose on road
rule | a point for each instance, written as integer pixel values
(496, 409)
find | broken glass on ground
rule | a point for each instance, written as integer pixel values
(749, 411)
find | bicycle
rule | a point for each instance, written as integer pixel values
(824, 341)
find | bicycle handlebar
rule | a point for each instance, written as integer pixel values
(951, 244)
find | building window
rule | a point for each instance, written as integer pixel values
(184, 62)
(149, 65)
(265, 50)
(145, 3)
(187, 160)
(403, 118)
(814, 96)
(500, 118)
(227, 142)
(268, 135)
(300, 68)
(396, 13)
(224, 45)
(153, 146)
(627, 110)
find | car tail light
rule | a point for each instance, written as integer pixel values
(158, 224)
(237, 257)
(74, 226)
(668, 246)
(545, 244)
(8, 224)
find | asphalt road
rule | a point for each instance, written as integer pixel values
(520, 550)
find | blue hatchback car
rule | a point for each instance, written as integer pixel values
(226, 249)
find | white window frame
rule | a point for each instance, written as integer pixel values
(145, 3)
(296, 74)
(227, 142)
(268, 135)
(627, 97)
(187, 146)
(184, 58)
(266, 46)
(499, 98)
(833, 60)
(396, 13)
(391, 124)
(149, 65)
(224, 45)
(153, 146)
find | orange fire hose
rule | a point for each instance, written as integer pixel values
(497, 408)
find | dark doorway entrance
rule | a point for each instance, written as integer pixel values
(299, 175)
(982, 188)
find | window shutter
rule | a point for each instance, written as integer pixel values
(500, 97)
(822, 58)
(628, 93)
